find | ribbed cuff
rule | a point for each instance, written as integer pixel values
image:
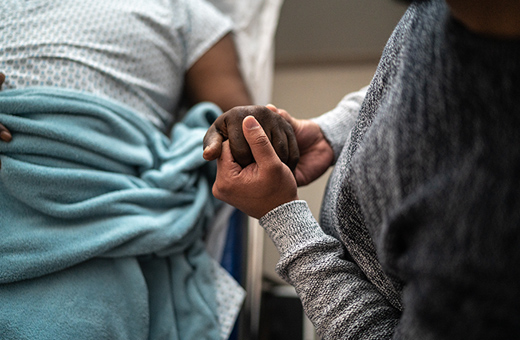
(290, 225)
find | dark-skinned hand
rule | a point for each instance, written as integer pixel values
(5, 135)
(229, 127)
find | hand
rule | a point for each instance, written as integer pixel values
(316, 154)
(229, 127)
(259, 187)
(5, 135)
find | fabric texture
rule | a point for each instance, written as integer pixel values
(102, 221)
(136, 52)
(418, 235)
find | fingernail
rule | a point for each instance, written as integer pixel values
(5, 136)
(251, 123)
(271, 107)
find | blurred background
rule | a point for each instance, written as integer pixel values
(324, 49)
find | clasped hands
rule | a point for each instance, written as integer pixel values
(263, 154)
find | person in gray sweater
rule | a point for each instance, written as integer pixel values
(419, 234)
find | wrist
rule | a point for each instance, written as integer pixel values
(272, 204)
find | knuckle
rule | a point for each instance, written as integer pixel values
(282, 149)
(277, 169)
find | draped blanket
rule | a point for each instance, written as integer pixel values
(101, 221)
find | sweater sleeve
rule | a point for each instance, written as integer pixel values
(340, 119)
(336, 296)
(459, 257)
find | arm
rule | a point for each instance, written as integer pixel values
(335, 294)
(337, 123)
(216, 77)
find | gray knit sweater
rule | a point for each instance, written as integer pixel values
(419, 235)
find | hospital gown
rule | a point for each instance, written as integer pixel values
(131, 51)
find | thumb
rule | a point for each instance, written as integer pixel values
(258, 141)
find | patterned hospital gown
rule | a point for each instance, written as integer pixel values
(133, 51)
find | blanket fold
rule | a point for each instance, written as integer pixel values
(86, 180)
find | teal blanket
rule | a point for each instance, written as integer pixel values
(101, 221)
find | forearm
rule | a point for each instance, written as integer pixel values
(336, 295)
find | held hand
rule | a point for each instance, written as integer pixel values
(316, 154)
(229, 127)
(259, 187)
(5, 135)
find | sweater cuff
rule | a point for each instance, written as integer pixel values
(290, 224)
